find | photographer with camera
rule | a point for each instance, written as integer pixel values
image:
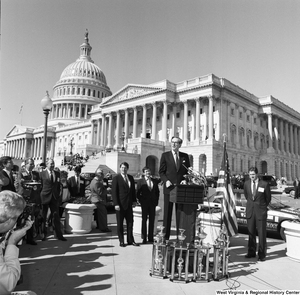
(29, 188)
(11, 207)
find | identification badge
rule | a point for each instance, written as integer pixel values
(261, 189)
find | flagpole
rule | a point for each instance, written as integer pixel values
(222, 200)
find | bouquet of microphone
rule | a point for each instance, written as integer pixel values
(194, 177)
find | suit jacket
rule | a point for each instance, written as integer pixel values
(10, 186)
(49, 190)
(72, 184)
(98, 191)
(122, 194)
(145, 195)
(168, 169)
(259, 203)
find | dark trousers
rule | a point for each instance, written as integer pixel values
(101, 216)
(148, 210)
(168, 209)
(254, 223)
(54, 209)
(128, 216)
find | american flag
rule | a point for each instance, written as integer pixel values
(225, 192)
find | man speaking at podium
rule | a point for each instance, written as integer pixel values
(173, 167)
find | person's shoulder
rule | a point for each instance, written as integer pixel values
(183, 154)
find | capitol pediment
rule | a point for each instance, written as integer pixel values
(129, 92)
(19, 129)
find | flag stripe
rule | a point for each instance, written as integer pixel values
(224, 191)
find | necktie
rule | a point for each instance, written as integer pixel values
(78, 184)
(253, 189)
(149, 183)
(177, 160)
(52, 178)
(127, 180)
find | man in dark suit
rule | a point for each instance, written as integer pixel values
(123, 193)
(7, 163)
(31, 193)
(76, 184)
(148, 195)
(258, 196)
(172, 169)
(50, 191)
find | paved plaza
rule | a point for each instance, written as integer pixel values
(95, 264)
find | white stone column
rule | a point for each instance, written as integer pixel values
(109, 144)
(154, 115)
(296, 140)
(126, 124)
(86, 113)
(270, 129)
(210, 117)
(74, 111)
(292, 138)
(281, 135)
(276, 132)
(134, 122)
(164, 124)
(52, 148)
(197, 129)
(228, 124)
(287, 136)
(185, 122)
(32, 148)
(174, 126)
(102, 130)
(144, 121)
(118, 129)
(98, 132)
(25, 148)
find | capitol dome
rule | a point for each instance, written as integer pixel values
(81, 85)
(83, 69)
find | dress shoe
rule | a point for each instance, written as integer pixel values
(44, 239)
(107, 230)
(150, 241)
(261, 258)
(144, 241)
(250, 255)
(134, 244)
(122, 244)
(34, 243)
(62, 238)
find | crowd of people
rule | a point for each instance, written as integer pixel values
(41, 191)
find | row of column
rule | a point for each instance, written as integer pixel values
(106, 122)
(286, 138)
(69, 111)
(16, 148)
(23, 148)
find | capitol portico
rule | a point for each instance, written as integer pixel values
(87, 118)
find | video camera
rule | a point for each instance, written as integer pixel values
(28, 211)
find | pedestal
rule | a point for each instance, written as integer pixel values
(292, 234)
(78, 218)
(137, 220)
(212, 226)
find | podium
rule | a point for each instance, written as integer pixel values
(187, 199)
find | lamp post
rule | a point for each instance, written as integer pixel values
(46, 104)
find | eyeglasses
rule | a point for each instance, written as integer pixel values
(175, 142)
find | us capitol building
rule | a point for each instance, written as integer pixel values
(136, 123)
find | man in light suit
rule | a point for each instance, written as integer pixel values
(258, 196)
(148, 194)
(172, 169)
(123, 193)
(76, 184)
(50, 192)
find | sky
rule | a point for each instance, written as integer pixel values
(253, 44)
